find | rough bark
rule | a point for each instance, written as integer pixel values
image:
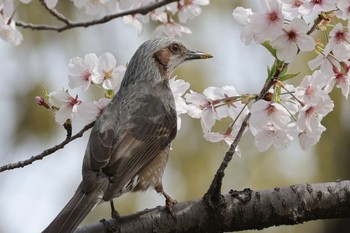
(239, 210)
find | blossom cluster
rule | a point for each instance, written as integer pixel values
(285, 113)
(101, 71)
(167, 16)
(283, 25)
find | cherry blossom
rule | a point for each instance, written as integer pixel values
(326, 63)
(310, 89)
(91, 110)
(343, 12)
(171, 29)
(66, 103)
(290, 8)
(178, 88)
(226, 137)
(316, 6)
(8, 31)
(341, 80)
(308, 139)
(187, 9)
(51, 3)
(133, 20)
(339, 43)
(268, 24)
(83, 71)
(310, 115)
(241, 16)
(92, 7)
(110, 74)
(264, 112)
(202, 107)
(271, 135)
(294, 36)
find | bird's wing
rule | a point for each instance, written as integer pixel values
(152, 127)
(148, 130)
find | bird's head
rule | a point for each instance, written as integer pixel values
(159, 57)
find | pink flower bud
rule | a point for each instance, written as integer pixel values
(40, 101)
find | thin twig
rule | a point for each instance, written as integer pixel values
(70, 24)
(47, 152)
(55, 13)
(214, 191)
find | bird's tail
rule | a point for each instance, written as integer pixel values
(76, 210)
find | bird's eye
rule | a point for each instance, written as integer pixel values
(175, 48)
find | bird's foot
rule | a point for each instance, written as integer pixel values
(114, 213)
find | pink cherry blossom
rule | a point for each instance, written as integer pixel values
(294, 37)
(66, 103)
(83, 71)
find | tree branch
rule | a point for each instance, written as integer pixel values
(214, 192)
(71, 24)
(241, 210)
(49, 151)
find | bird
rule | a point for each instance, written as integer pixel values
(130, 141)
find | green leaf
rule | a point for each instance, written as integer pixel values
(288, 76)
(268, 46)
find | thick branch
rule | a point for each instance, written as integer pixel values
(71, 24)
(241, 210)
(47, 152)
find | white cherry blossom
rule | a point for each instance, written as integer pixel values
(316, 6)
(308, 139)
(171, 29)
(66, 103)
(343, 12)
(91, 110)
(264, 113)
(110, 74)
(178, 88)
(83, 71)
(293, 37)
(339, 43)
(272, 135)
(310, 89)
(9, 33)
(268, 24)
(340, 80)
(310, 115)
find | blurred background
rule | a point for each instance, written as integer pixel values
(31, 197)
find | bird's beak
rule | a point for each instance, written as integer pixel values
(191, 55)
